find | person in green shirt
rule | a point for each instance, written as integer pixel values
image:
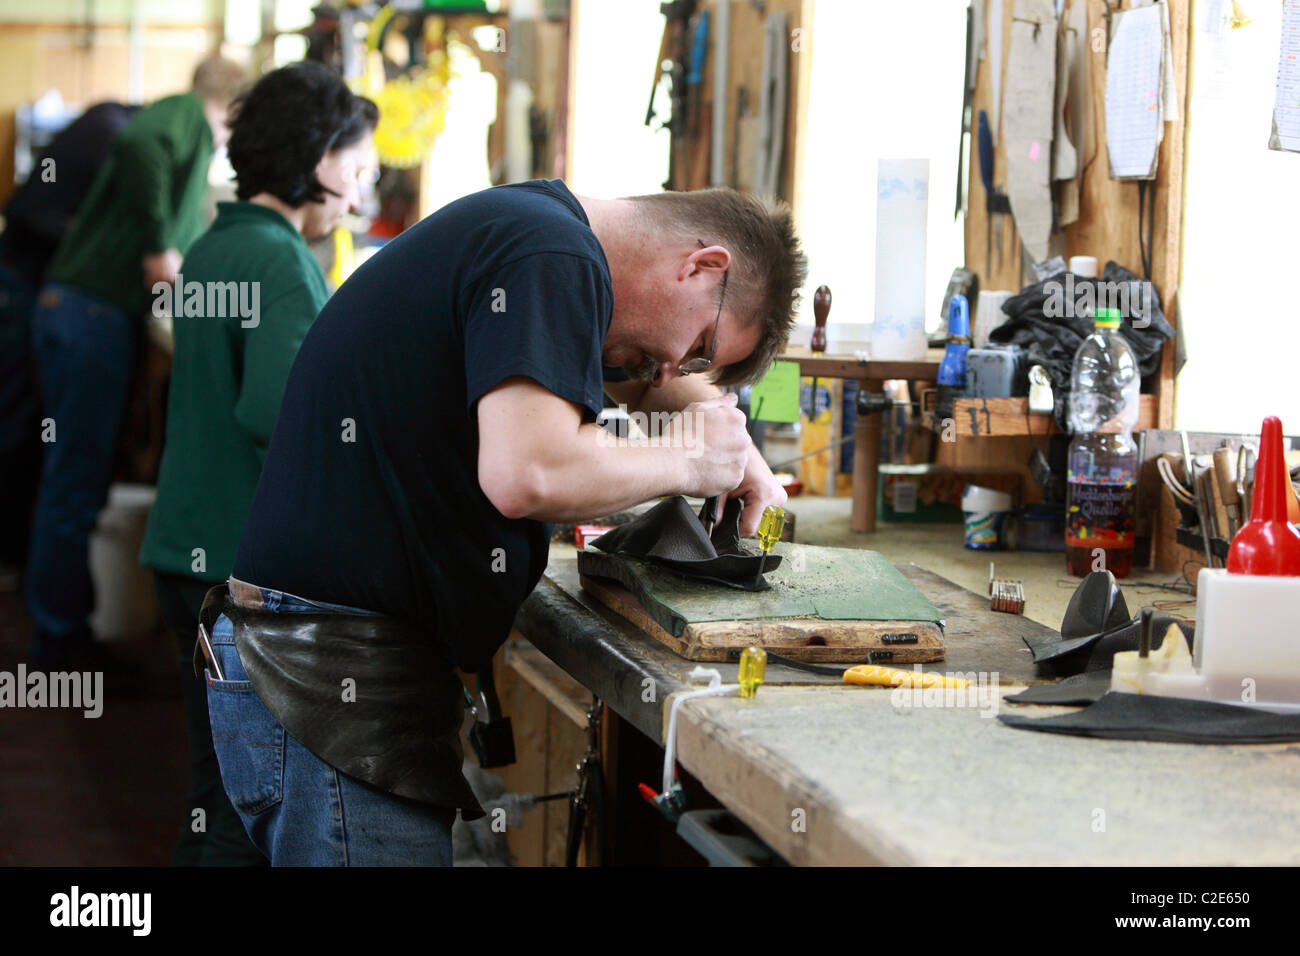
(248, 291)
(143, 210)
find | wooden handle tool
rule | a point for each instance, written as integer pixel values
(1225, 476)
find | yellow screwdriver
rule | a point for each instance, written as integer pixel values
(770, 527)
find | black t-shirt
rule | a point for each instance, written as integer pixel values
(369, 496)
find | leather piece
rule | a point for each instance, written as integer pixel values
(672, 535)
(401, 733)
(1079, 690)
(1167, 719)
(1095, 628)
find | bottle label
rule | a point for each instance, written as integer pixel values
(1100, 514)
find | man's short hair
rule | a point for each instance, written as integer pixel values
(767, 264)
(286, 124)
(219, 79)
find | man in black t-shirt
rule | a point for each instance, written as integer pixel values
(441, 412)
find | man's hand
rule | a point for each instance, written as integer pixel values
(759, 488)
(161, 267)
(713, 437)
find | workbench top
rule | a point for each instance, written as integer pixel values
(831, 774)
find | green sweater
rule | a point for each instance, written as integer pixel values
(228, 377)
(148, 197)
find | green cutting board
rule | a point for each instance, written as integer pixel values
(831, 604)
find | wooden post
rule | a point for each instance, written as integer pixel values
(866, 465)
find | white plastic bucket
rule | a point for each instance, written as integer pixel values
(125, 604)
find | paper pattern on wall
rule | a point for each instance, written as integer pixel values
(1286, 103)
(1134, 101)
(1027, 121)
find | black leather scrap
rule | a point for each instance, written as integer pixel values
(670, 534)
(1085, 688)
(1120, 716)
(402, 731)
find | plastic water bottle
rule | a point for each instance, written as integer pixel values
(1102, 498)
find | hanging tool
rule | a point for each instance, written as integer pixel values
(695, 76)
(742, 106)
(967, 96)
(674, 58)
(721, 88)
(772, 105)
(491, 736)
(1223, 474)
(1246, 455)
(676, 15)
(1189, 464)
(770, 527)
(995, 200)
(589, 795)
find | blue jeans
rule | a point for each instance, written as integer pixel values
(298, 810)
(85, 351)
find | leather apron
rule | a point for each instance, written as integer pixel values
(396, 727)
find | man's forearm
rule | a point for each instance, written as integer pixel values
(606, 474)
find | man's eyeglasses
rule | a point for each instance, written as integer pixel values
(700, 363)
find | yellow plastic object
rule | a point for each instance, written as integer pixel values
(753, 666)
(896, 677)
(344, 256)
(770, 527)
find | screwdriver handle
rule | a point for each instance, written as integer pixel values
(821, 309)
(1225, 474)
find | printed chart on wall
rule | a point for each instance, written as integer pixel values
(1286, 105)
(1135, 64)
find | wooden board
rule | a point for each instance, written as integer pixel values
(806, 639)
(1000, 417)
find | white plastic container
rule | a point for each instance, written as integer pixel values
(126, 606)
(1247, 646)
(902, 190)
(985, 511)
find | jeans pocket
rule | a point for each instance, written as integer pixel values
(249, 742)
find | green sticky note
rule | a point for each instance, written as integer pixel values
(775, 397)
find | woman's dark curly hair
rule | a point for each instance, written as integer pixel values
(286, 124)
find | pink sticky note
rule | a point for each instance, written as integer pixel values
(1033, 151)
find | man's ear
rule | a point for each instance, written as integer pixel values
(713, 258)
(710, 258)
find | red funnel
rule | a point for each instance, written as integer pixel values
(1268, 544)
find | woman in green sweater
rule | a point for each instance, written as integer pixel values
(248, 291)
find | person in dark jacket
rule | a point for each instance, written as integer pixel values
(37, 216)
(144, 209)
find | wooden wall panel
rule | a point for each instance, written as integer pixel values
(1108, 216)
(745, 69)
(36, 57)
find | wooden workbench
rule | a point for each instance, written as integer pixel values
(871, 376)
(878, 783)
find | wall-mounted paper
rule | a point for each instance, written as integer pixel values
(1133, 84)
(1286, 104)
(902, 188)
